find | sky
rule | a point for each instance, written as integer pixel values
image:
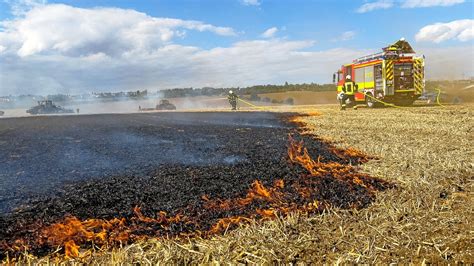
(53, 46)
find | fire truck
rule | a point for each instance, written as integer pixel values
(395, 75)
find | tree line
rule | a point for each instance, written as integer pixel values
(252, 90)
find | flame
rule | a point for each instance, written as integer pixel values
(279, 183)
(225, 223)
(260, 189)
(266, 213)
(257, 192)
(298, 154)
(71, 249)
(72, 231)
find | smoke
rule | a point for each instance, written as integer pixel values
(18, 106)
(449, 63)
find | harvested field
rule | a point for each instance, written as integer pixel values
(128, 178)
(303, 97)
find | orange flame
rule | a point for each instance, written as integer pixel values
(225, 223)
(298, 154)
(257, 192)
(266, 213)
(71, 249)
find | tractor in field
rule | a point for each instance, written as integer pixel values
(165, 105)
(47, 107)
(395, 75)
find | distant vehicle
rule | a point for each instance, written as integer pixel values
(47, 107)
(144, 109)
(2, 113)
(433, 96)
(165, 105)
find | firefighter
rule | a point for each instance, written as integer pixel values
(232, 97)
(348, 90)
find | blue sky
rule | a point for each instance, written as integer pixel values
(305, 41)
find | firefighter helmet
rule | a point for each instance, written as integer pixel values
(230, 92)
(348, 77)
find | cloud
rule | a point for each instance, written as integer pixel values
(462, 30)
(430, 3)
(270, 33)
(385, 4)
(381, 4)
(241, 64)
(21, 7)
(346, 36)
(80, 32)
(251, 2)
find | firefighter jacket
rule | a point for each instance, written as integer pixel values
(232, 97)
(349, 87)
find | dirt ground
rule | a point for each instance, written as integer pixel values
(304, 97)
(426, 151)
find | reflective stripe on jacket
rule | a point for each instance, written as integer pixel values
(349, 87)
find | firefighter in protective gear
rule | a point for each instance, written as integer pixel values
(348, 90)
(232, 97)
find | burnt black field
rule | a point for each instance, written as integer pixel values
(103, 166)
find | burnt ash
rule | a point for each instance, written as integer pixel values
(103, 166)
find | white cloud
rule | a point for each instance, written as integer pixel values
(462, 30)
(381, 4)
(430, 3)
(21, 7)
(241, 64)
(346, 36)
(251, 2)
(385, 4)
(270, 33)
(78, 32)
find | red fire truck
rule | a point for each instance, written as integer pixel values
(395, 75)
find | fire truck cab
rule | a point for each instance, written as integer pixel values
(395, 75)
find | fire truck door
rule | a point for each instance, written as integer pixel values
(378, 78)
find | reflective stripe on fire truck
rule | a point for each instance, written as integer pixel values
(418, 75)
(389, 70)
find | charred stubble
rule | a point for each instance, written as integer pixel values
(167, 175)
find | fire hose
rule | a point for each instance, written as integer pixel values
(437, 97)
(380, 101)
(253, 105)
(396, 106)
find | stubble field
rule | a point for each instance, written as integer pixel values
(426, 151)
